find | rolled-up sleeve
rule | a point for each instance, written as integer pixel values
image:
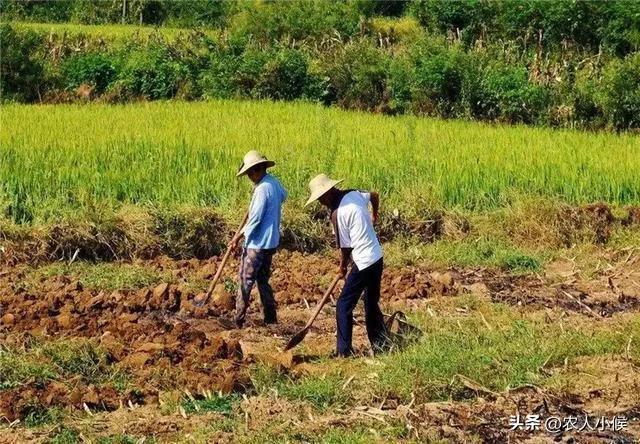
(256, 212)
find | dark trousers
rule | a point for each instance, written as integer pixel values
(255, 268)
(359, 281)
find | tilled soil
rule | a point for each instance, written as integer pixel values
(165, 340)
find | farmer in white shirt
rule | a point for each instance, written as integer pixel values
(358, 243)
(261, 236)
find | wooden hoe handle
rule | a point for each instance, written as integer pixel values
(223, 262)
(325, 298)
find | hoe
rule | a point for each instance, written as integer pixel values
(405, 333)
(299, 337)
(223, 262)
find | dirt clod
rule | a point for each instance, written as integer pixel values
(65, 320)
(443, 283)
(161, 291)
(8, 319)
(223, 299)
(633, 217)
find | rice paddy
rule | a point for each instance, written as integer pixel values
(67, 159)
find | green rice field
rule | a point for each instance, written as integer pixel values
(65, 159)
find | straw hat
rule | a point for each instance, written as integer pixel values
(320, 185)
(251, 159)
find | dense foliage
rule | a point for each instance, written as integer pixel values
(562, 63)
(586, 22)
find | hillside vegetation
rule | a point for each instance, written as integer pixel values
(569, 64)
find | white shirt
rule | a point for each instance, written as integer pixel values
(355, 229)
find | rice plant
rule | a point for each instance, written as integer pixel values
(71, 159)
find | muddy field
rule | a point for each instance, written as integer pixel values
(166, 343)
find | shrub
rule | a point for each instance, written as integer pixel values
(507, 95)
(21, 73)
(438, 81)
(95, 69)
(189, 13)
(37, 10)
(470, 17)
(621, 29)
(151, 73)
(96, 12)
(357, 76)
(217, 81)
(473, 96)
(192, 54)
(588, 112)
(394, 29)
(291, 50)
(316, 87)
(370, 8)
(620, 94)
(248, 71)
(284, 76)
(399, 86)
(299, 20)
(562, 20)
(587, 23)
(276, 74)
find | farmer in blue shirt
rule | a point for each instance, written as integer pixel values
(261, 236)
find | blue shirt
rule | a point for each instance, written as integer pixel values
(262, 230)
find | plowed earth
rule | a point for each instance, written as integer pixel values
(165, 341)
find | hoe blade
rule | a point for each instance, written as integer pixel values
(296, 339)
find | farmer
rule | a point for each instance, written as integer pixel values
(261, 236)
(357, 241)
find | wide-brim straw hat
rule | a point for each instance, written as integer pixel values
(320, 185)
(251, 159)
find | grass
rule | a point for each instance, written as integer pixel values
(496, 346)
(355, 432)
(57, 360)
(321, 391)
(112, 276)
(217, 403)
(360, 435)
(65, 436)
(70, 436)
(39, 415)
(148, 161)
(478, 251)
(120, 439)
(17, 368)
(172, 153)
(103, 276)
(505, 352)
(106, 32)
(77, 357)
(167, 182)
